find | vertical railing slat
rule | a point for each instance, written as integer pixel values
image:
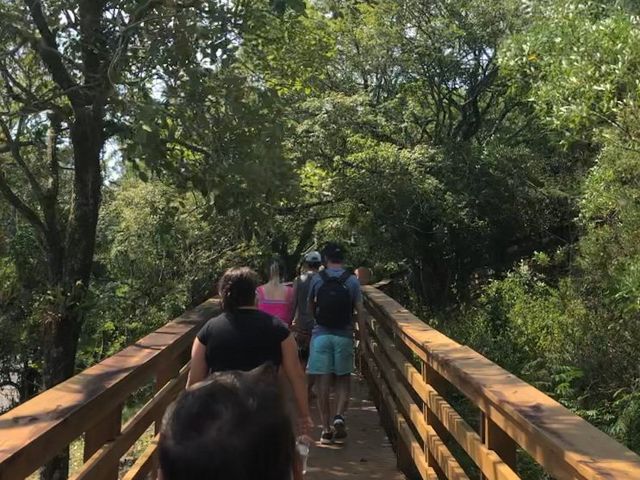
(430, 378)
(104, 431)
(165, 374)
(497, 440)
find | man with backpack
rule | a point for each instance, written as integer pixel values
(335, 299)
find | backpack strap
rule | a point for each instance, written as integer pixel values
(344, 277)
(343, 281)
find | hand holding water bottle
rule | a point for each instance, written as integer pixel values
(303, 446)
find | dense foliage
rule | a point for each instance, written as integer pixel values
(486, 154)
(568, 319)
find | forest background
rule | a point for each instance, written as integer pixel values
(485, 155)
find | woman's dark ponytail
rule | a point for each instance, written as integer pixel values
(237, 288)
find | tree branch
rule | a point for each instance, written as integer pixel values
(47, 48)
(6, 148)
(136, 18)
(29, 103)
(192, 147)
(14, 148)
(304, 237)
(507, 109)
(28, 213)
(139, 15)
(10, 80)
(306, 206)
(52, 155)
(92, 41)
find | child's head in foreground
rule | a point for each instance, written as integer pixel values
(232, 426)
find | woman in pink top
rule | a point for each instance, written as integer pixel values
(274, 297)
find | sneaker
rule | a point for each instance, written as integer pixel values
(340, 429)
(327, 437)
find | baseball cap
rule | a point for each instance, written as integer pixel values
(313, 257)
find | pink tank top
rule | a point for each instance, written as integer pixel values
(278, 308)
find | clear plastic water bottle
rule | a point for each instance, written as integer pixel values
(303, 446)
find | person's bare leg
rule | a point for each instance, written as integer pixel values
(343, 392)
(311, 380)
(323, 391)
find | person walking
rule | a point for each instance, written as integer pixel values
(244, 338)
(335, 299)
(274, 297)
(303, 322)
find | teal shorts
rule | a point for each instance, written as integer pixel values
(330, 354)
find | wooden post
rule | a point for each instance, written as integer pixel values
(497, 440)
(428, 416)
(405, 461)
(404, 458)
(105, 431)
(165, 374)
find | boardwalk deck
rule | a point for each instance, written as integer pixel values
(367, 454)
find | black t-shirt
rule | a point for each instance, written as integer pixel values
(243, 340)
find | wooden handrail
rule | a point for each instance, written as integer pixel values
(406, 361)
(410, 366)
(88, 403)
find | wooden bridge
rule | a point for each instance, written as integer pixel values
(448, 413)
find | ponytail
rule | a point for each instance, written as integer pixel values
(276, 271)
(237, 288)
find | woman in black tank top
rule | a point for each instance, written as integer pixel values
(243, 338)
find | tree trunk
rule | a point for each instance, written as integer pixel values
(62, 327)
(304, 238)
(70, 275)
(30, 378)
(61, 333)
(431, 283)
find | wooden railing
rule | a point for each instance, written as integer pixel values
(419, 380)
(89, 406)
(414, 370)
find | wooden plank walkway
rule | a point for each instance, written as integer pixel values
(367, 452)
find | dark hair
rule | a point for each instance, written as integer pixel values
(233, 426)
(333, 252)
(313, 265)
(237, 288)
